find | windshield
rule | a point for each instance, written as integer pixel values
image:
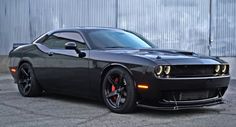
(111, 38)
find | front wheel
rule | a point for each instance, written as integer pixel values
(26, 81)
(118, 91)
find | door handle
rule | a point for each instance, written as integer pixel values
(50, 53)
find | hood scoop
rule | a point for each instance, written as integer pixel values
(174, 52)
(167, 54)
(187, 53)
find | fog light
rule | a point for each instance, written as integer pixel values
(217, 68)
(167, 70)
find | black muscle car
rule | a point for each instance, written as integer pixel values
(120, 67)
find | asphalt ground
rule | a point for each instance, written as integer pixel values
(58, 111)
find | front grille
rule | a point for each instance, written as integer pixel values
(192, 70)
(189, 95)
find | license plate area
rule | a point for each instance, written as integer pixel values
(193, 95)
(189, 95)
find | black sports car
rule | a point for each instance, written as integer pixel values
(120, 67)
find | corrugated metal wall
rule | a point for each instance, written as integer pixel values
(24, 20)
(170, 24)
(224, 27)
(178, 24)
(14, 23)
(46, 15)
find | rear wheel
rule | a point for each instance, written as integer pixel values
(118, 91)
(27, 84)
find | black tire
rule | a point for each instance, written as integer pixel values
(118, 91)
(26, 81)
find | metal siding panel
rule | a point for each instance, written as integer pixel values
(13, 24)
(47, 15)
(170, 24)
(44, 16)
(87, 13)
(74, 13)
(102, 13)
(224, 28)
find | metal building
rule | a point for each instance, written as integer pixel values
(170, 24)
(179, 24)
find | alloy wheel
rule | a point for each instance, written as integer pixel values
(25, 79)
(115, 90)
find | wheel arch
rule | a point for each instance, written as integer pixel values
(24, 60)
(113, 65)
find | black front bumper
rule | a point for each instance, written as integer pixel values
(179, 105)
(183, 93)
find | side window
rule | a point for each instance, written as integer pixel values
(58, 40)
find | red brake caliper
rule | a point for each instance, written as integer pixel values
(113, 88)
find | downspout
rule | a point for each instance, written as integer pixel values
(210, 21)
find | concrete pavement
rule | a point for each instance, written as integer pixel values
(58, 111)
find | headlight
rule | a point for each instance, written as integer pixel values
(217, 68)
(158, 70)
(224, 68)
(167, 70)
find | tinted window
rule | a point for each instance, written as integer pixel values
(58, 40)
(106, 38)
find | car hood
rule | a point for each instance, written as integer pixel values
(172, 57)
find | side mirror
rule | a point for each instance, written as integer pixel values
(82, 54)
(73, 46)
(70, 45)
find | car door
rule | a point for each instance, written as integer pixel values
(63, 70)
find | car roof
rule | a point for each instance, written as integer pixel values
(82, 28)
